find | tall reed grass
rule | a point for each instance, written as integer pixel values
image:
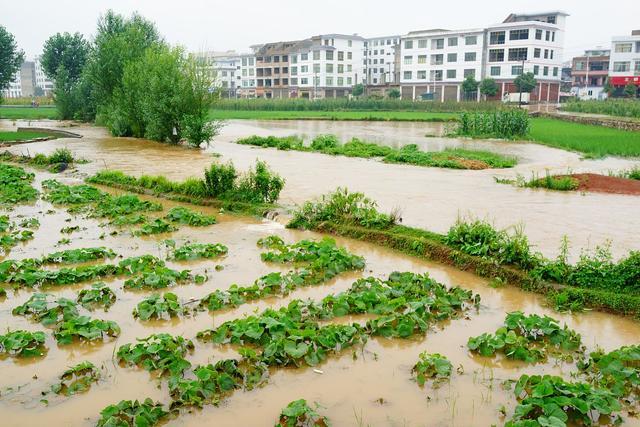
(507, 124)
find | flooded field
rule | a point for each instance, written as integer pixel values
(428, 197)
(364, 386)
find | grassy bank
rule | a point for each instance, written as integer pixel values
(413, 116)
(610, 107)
(454, 158)
(28, 113)
(595, 141)
(21, 136)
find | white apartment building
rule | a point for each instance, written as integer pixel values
(234, 73)
(380, 60)
(246, 87)
(42, 81)
(326, 66)
(15, 87)
(436, 62)
(624, 63)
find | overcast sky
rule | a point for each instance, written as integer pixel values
(223, 25)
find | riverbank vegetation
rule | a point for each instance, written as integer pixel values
(22, 135)
(563, 182)
(506, 124)
(611, 107)
(372, 116)
(28, 113)
(455, 158)
(55, 162)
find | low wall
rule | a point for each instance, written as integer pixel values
(56, 132)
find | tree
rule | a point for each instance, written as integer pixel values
(470, 85)
(630, 90)
(525, 82)
(357, 90)
(488, 87)
(11, 58)
(608, 88)
(393, 93)
(70, 51)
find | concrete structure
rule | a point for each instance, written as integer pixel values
(272, 69)
(41, 79)
(435, 62)
(589, 73)
(624, 64)
(380, 55)
(326, 66)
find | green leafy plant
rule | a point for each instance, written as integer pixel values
(83, 329)
(159, 307)
(432, 366)
(299, 413)
(191, 251)
(15, 185)
(508, 124)
(100, 295)
(157, 353)
(617, 371)
(23, 343)
(127, 413)
(49, 313)
(77, 379)
(186, 216)
(155, 226)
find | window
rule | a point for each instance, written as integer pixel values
(340, 68)
(294, 81)
(340, 56)
(516, 70)
(555, 71)
(545, 71)
(304, 57)
(422, 59)
(316, 68)
(408, 60)
(276, 59)
(381, 70)
(329, 55)
(551, 54)
(519, 34)
(451, 74)
(304, 69)
(329, 81)
(437, 59)
(621, 66)
(349, 80)
(350, 43)
(436, 75)
(623, 47)
(244, 72)
(546, 54)
(496, 55)
(422, 44)
(316, 55)
(495, 71)
(538, 34)
(551, 19)
(470, 56)
(422, 75)
(340, 81)
(375, 61)
(294, 59)
(469, 72)
(496, 37)
(329, 68)
(375, 52)
(408, 44)
(294, 71)
(536, 70)
(518, 54)
(452, 41)
(406, 75)
(553, 36)
(471, 40)
(637, 68)
(437, 44)
(536, 52)
(452, 57)
(349, 68)
(244, 62)
(547, 35)
(250, 61)
(349, 55)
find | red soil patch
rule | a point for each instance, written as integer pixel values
(607, 184)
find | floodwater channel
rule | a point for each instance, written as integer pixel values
(360, 387)
(430, 198)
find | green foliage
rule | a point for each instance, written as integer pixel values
(341, 207)
(393, 93)
(470, 85)
(12, 234)
(525, 82)
(15, 185)
(61, 194)
(612, 107)
(159, 307)
(434, 366)
(551, 401)
(40, 309)
(192, 251)
(83, 328)
(219, 179)
(99, 295)
(528, 338)
(155, 226)
(281, 143)
(630, 90)
(72, 256)
(299, 413)
(77, 379)
(186, 216)
(159, 353)
(11, 58)
(126, 204)
(259, 185)
(552, 182)
(357, 90)
(488, 87)
(506, 124)
(127, 413)
(617, 371)
(23, 344)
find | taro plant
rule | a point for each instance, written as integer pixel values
(155, 226)
(49, 313)
(23, 343)
(299, 413)
(617, 371)
(84, 329)
(15, 185)
(132, 413)
(182, 215)
(192, 251)
(77, 379)
(99, 295)
(159, 307)
(159, 353)
(431, 366)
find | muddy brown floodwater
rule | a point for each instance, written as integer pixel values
(431, 198)
(369, 387)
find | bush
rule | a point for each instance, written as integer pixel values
(498, 124)
(260, 185)
(219, 179)
(324, 142)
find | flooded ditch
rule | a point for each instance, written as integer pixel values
(368, 386)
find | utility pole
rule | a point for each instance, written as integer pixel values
(520, 89)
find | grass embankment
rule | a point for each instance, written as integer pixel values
(28, 113)
(454, 158)
(22, 136)
(410, 116)
(595, 281)
(610, 107)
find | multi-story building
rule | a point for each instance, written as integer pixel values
(272, 69)
(434, 63)
(233, 73)
(380, 60)
(42, 81)
(15, 87)
(589, 73)
(246, 85)
(326, 66)
(624, 64)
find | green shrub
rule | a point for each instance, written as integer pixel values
(552, 182)
(220, 179)
(323, 142)
(259, 185)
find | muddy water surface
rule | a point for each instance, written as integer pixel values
(431, 198)
(371, 386)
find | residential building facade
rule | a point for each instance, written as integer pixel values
(233, 73)
(589, 73)
(380, 60)
(272, 69)
(436, 62)
(624, 63)
(42, 81)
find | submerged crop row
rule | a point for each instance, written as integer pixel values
(15, 185)
(455, 158)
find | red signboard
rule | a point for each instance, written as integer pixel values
(625, 80)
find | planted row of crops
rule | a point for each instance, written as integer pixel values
(15, 185)
(56, 162)
(454, 158)
(12, 232)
